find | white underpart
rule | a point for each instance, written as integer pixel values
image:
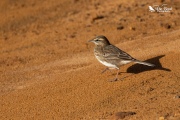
(107, 64)
(125, 62)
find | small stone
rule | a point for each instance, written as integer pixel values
(141, 20)
(132, 28)
(167, 26)
(98, 18)
(121, 115)
(177, 96)
(120, 27)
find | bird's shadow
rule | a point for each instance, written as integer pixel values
(138, 68)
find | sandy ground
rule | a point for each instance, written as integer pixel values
(48, 70)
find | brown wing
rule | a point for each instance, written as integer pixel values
(112, 52)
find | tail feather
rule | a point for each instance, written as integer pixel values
(144, 63)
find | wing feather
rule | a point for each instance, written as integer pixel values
(112, 52)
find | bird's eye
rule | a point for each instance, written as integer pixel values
(97, 40)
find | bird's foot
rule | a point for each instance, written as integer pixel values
(113, 80)
(117, 79)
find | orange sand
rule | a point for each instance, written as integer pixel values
(48, 70)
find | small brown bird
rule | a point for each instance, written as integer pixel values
(111, 56)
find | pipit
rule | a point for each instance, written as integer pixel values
(111, 56)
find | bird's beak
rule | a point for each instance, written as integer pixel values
(91, 40)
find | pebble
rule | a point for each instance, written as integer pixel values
(120, 27)
(121, 115)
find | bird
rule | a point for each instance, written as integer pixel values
(111, 56)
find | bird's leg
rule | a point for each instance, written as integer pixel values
(104, 70)
(119, 78)
(116, 78)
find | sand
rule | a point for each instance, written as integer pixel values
(48, 70)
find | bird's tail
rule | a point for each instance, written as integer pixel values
(144, 63)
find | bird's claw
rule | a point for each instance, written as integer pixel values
(113, 80)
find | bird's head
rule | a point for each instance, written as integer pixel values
(100, 41)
